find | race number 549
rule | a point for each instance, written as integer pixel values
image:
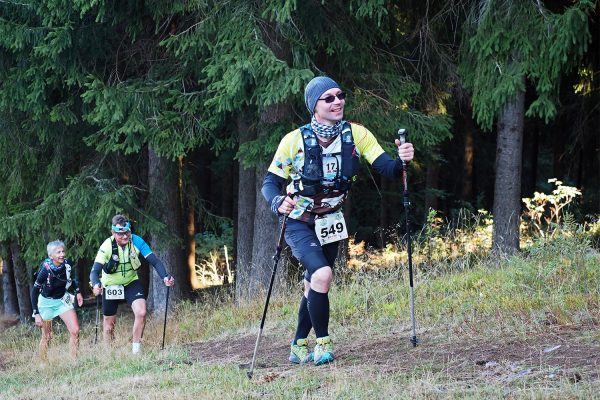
(331, 228)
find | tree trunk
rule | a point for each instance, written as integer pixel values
(507, 189)
(190, 239)
(163, 182)
(22, 283)
(266, 227)
(9, 290)
(245, 219)
(467, 179)
(266, 230)
(83, 275)
(189, 205)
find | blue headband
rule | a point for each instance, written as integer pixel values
(123, 229)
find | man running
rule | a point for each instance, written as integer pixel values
(118, 260)
(321, 161)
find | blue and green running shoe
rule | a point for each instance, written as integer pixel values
(299, 352)
(323, 351)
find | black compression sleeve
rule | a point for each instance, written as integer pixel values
(95, 274)
(271, 190)
(158, 265)
(35, 292)
(387, 166)
(272, 186)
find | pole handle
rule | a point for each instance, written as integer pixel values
(402, 133)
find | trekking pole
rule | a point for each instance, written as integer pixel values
(402, 136)
(264, 315)
(165, 324)
(97, 317)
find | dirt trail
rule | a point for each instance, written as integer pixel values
(561, 352)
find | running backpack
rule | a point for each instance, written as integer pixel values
(311, 178)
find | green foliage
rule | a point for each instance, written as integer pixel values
(505, 41)
(257, 152)
(87, 86)
(384, 109)
(279, 11)
(373, 9)
(136, 114)
(79, 215)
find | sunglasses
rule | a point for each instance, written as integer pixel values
(331, 97)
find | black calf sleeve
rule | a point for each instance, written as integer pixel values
(318, 308)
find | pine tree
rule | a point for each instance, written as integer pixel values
(506, 46)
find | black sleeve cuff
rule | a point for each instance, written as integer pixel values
(387, 166)
(95, 274)
(158, 265)
(272, 187)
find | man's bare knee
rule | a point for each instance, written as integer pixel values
(321, 279)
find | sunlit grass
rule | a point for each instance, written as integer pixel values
(458, 297)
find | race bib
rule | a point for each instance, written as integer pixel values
(331, 227)
(68, 299)
(114, 292)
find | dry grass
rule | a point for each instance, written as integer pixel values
(485, 327)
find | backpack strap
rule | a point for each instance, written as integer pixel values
(111, 266)
(68, 274)
(312, 172)
(349, 158)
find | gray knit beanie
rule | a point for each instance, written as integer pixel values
(315, 88)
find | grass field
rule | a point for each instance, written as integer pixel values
(521, 327)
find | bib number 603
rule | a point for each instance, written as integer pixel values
(115, 292)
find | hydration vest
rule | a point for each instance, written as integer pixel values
(51, 278)
(311, 179)
(112, 265)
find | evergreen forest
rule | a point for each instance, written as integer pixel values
(170, 112)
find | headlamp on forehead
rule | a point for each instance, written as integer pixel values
(125, 228)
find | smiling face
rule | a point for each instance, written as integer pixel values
(330, 113)
(122, 237)
(58, 256)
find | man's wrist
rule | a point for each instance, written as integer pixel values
(276, 203)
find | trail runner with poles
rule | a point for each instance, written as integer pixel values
(50, 298)
(118, 261)
(321, 159)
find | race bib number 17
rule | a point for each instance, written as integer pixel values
(331, 228)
